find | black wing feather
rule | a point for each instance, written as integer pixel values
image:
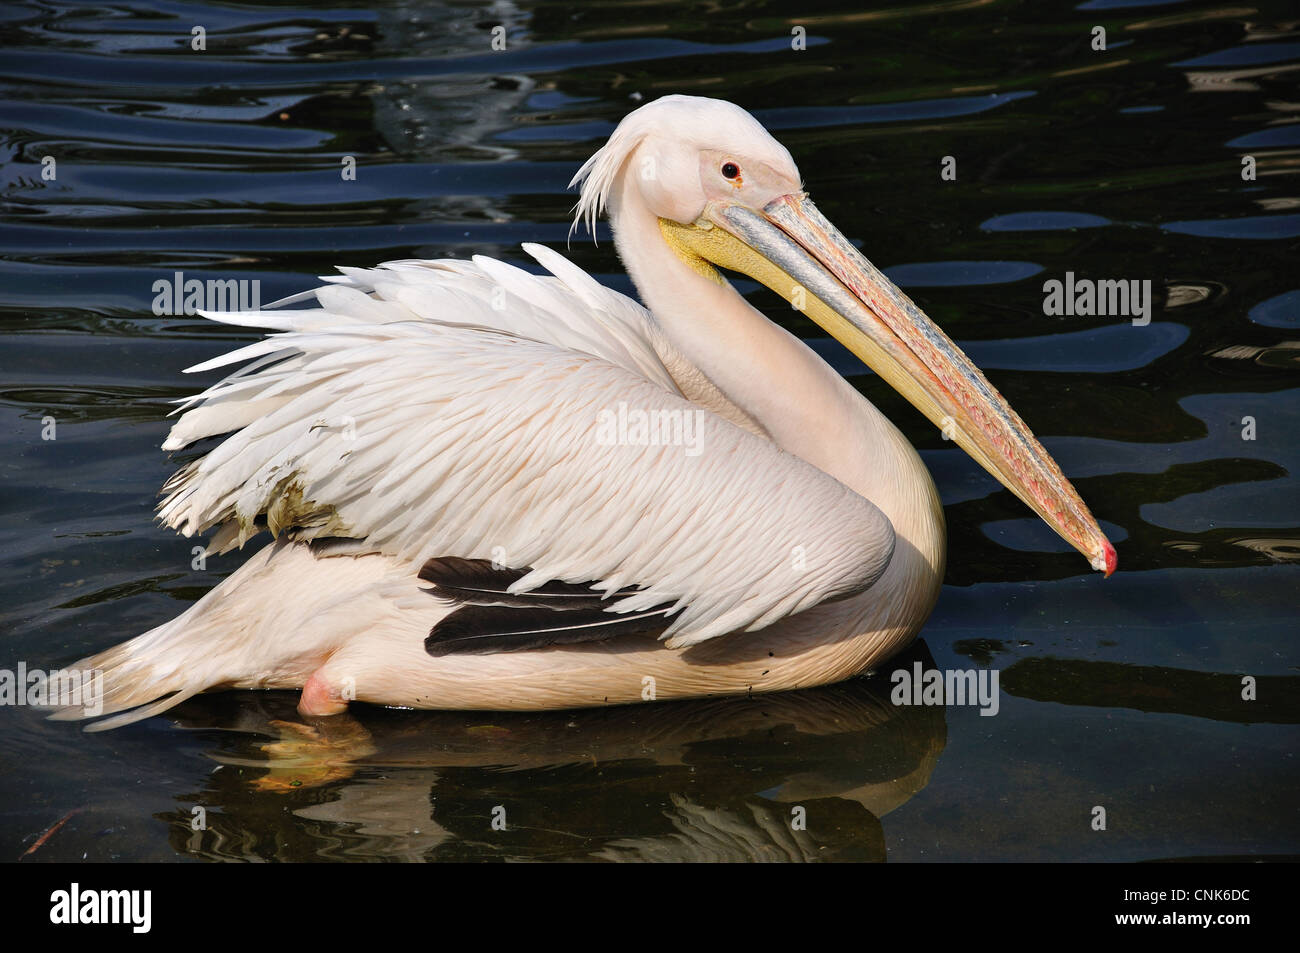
(477, 582)
(492, 619)
(486, 630)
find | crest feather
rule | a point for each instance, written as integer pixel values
(597, 175)
(692, 119)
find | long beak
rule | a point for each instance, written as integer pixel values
(795, 251)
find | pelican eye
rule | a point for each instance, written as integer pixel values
(730, 170)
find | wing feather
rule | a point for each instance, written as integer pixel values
(473, 410)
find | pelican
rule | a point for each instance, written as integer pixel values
(488, 489)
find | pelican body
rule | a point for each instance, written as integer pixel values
(459, 523)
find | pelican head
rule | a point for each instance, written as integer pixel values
(727, 195)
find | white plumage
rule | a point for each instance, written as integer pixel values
(446, 408)
(422, 418)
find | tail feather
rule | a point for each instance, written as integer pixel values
(271, 624)
(139, 678)
(143, 712)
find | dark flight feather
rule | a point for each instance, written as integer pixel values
(492, 619)
(477, 582)
(488, 629)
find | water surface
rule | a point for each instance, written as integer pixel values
(1123, 693)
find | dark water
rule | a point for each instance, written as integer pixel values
(1124, 693)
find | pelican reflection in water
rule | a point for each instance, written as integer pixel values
(714, 779)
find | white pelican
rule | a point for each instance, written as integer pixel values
(476, 427)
